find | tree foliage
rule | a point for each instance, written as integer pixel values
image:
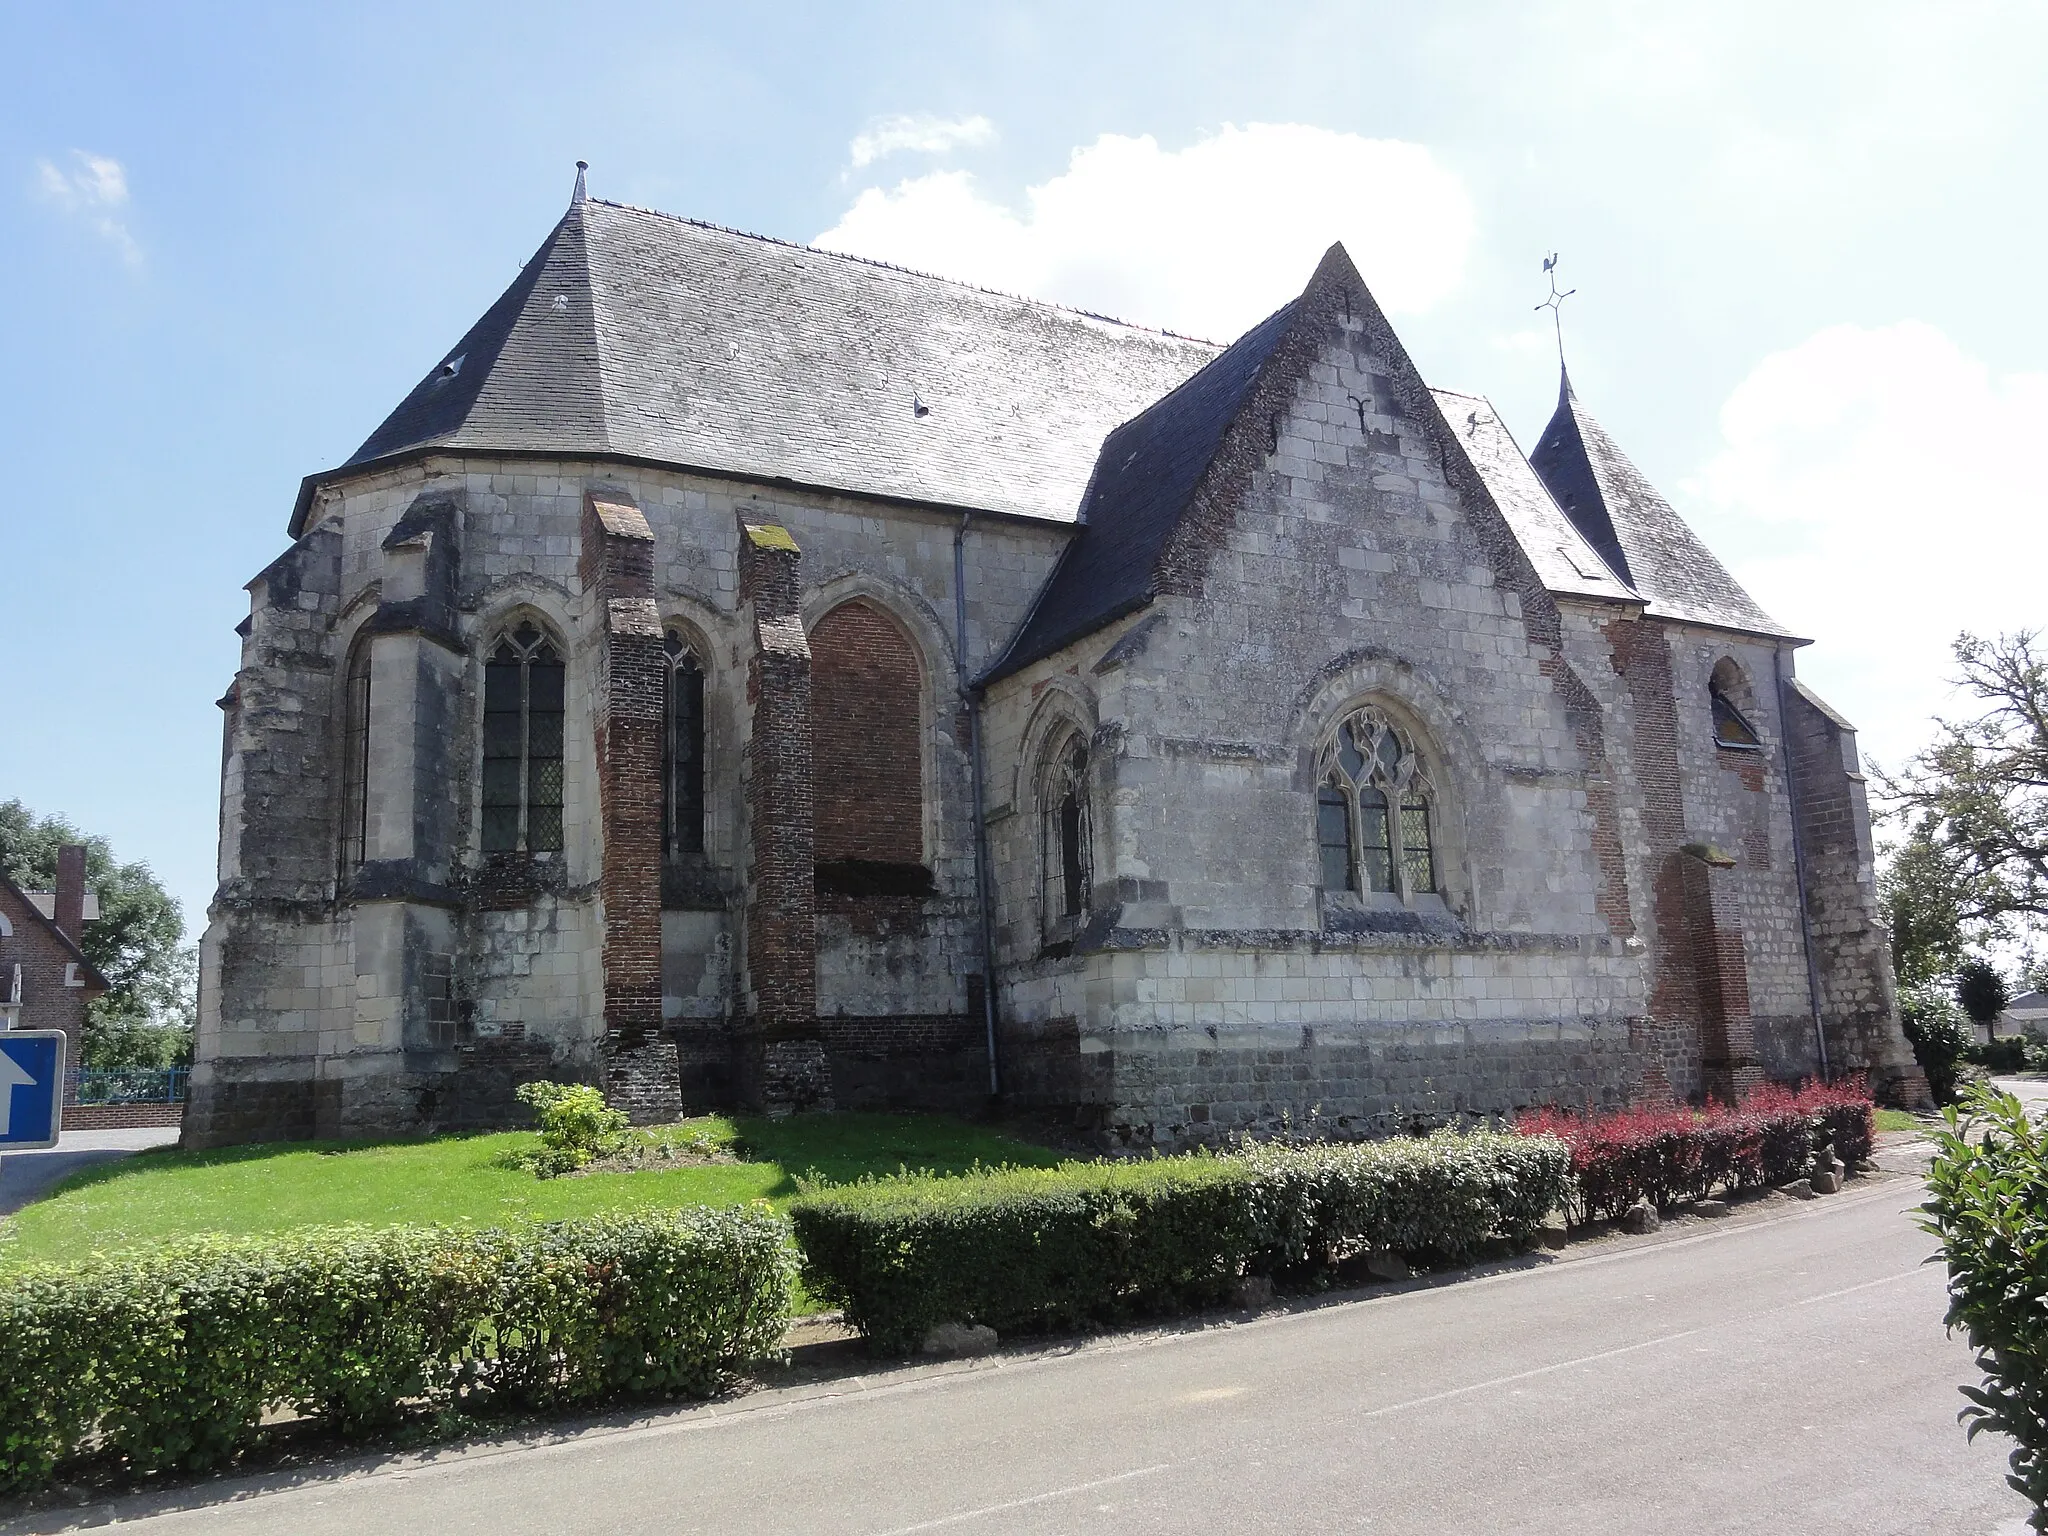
(146, 1016)
(1981, 991)
(1922, 893)
(1979, 794)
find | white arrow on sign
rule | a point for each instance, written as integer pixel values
(11, 1078)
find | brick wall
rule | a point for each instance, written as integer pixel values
(782, 934)
(866, 697)
(46, 1002)
(617, 569)
(1670, 1032)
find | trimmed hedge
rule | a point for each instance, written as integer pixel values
(170, 1358)
(1437, 1198)
(1988, 1203)
(1100, 1242)
(1669, 1154)
(1027, 1247)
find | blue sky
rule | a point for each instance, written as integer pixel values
(1806, 243)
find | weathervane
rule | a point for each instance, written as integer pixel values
(1555, 303)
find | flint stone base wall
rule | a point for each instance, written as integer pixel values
(1182, 1088)
(470, 1088)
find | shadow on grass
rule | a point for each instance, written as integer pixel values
(841, 1148)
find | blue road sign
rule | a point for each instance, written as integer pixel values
(31, 1088)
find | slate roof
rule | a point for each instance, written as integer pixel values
(645, 336)
(1564, 561)
(1636, 531)
(1145, 475)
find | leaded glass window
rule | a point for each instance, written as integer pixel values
(522, 787)
(1065, 804)
(355, 760)
(682, 751)
(1375, 827)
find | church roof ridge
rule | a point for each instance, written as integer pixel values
(644, 336)
(1166, 332)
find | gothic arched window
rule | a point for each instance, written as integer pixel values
(1375, 814)
(682, 750)
(1063, 804)
(523, 693)
(1731, 725)
(355, 759)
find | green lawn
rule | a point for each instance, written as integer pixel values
(1898, 1120)
(456, 1179)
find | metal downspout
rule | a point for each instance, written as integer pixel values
(972, 696)
(1820, 1036)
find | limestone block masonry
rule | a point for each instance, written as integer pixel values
(1558, 881)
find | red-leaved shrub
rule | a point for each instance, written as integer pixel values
(1668, 1153)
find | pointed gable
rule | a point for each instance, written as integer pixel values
(1636, 531)
(1145, 476)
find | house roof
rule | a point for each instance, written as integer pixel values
(25, 903)
(1634, 529)
(641, 335)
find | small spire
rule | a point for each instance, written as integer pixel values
(579, 194)
(1555, 304)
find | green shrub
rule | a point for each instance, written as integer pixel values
(1939, 1036)
(1097, 1242)
(1027, 1247)
(1435, 1198)
(170, 1359)
(1988, 1203)
(2007, 1053)
(577, 1127)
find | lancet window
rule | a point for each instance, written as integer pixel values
(355, 759)
(523, 703)
(682, 750)
(1375, 811)
(1064, 832)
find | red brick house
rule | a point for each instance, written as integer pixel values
(45, 979)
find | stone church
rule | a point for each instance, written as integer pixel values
(738, 674)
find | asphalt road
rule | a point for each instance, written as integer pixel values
(26, 1176)
(1785, 1375)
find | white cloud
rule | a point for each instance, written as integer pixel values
(95, 190)
(1880, 490)
(1207, 239)
(922, 134)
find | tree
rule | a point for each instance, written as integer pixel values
(1923, 895)
(1981, 992)
(147, 1014)
(1980, 792)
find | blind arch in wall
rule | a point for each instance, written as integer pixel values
(867, 735)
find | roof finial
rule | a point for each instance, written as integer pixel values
(579, 194)
(1555, 304)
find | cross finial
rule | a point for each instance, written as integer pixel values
(1555, 303)
(578, 195)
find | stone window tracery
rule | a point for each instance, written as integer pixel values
(355, 760)
(1375, 811)
(1063, 803)
(682, 750)
(523, 709)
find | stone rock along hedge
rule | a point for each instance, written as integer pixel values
(170, 1358)
(1099, 1242)
(1988, 1203)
